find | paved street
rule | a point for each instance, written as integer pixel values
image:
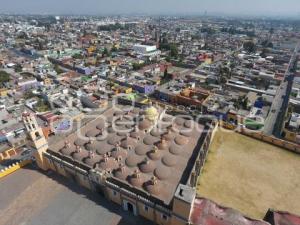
(275, 119)
(29, 197)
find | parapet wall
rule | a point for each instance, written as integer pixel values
(202, 154)
(262, 137)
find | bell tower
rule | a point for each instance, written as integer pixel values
(37, 138)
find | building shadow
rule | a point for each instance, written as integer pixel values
(126, 218)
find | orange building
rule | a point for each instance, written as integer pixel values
(190, 96)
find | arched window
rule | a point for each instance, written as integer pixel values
(37, 135)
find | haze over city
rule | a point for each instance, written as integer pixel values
(235, 7)
(152, 112)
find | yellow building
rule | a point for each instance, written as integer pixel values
(290, 135)
(8, 153)
(3, 92)
(47, 81)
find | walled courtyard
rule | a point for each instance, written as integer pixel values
(251, 176)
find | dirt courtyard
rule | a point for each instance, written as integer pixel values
(250, 175)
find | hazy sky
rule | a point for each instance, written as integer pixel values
(287, 7)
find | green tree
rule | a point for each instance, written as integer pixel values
(28, 95)
(58, 69)
(114, 49)
(137, 66)
(18, 68)
(249, 46)
(77, 56)
(173, 51)
(41, 106)
(106, 52)
(4, 77)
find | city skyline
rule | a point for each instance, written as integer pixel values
(98, 7)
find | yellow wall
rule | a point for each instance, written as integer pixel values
(14, 168)
(3, 92)
(181, 208)
(114, 197)
(83, 180)
(290, 136)
(147, 214)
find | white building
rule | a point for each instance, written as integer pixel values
(146, 50)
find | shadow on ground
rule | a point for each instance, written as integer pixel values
(126, 218)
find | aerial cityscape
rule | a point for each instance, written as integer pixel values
(150, 112)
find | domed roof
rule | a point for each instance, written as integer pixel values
(103, 147)
(181, 140)
(102, 135)
(91, 161)
(119, 152)
(169, 135)
(188, 123)
(141, 149)
(163, 126)
(179, 121)
(92, 146)
(163, 144)
(136, 179)
(92, 133)
(133, 160)
(144, 124)
(80, 142)
(151, 113)
(128, 142)
(169, 160)
(153, 186)
(108, 163)
(147, 166)
(186, 133)
(155, 133)
(67, 150)
(79, 154)
(175, 149)
(111, 130)
(122, 172)
(150, 140)
(121, 132)
(135, 135)
(154, 154)
(114, 139)
(162, 172)
(101, 125)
